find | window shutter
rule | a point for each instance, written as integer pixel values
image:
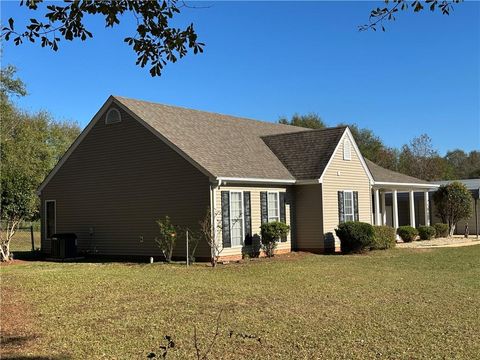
(355, 205)
(341, 211)
(248, 218)
(226, 219)
(283, 217)
(264, 206)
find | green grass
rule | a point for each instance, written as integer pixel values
(396, 304)
(22, 241)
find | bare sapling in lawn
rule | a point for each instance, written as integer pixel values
(167, 238)
(210, 229)
(205, 352)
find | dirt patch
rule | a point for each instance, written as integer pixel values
(13, 262)
(16, 332)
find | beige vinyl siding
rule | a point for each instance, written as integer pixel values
(255, 212)
(343, 175)
(308, 218)
(118, 181)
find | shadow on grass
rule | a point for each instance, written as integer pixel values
(15, 340)
(35, 357)
(28, 255)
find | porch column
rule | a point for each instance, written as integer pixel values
(426, 204)
(395, 209)
(384, 208)
(377, 207)
(411, 203)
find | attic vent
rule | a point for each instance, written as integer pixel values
(347, 150)
(113, 117)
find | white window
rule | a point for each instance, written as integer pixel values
(348, 206)
(50, 218)
(273, 207)
(113, 117)
(236, 218)
(347, 150)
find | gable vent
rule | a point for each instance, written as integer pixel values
(347, 150)
(113, 117)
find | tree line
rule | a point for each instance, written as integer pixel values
(30, 146)
(418, 158)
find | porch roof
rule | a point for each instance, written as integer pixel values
(387, 178)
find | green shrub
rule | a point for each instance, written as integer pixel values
(355, 237)
(271, 233)
(426, 232)
(407, 233)
(167, 238)
(384, 237)
(441, 230)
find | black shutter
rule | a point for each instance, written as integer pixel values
(248, 218)
(355, 205)
(226, 219)
(283, 215)
(264, 206)
(341, 211)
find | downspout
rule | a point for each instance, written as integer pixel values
(213, 202)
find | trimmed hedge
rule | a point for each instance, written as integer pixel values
(426, 232)
(384, 237)
(355, 236)
(407, 233)
(441, 230)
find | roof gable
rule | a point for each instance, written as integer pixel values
(306, 154)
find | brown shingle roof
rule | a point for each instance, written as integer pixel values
(305, 154)
(225, 146)
(381, 174)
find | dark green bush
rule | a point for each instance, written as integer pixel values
(271, 233)
(426, 232)
(355, 237)
(441, 230)
(384, 237)
(407, 233)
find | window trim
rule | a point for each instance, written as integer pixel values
(278, 205)
(115, 122)
(344, 207)
(345, 157)
(242, 240)
(46, 218)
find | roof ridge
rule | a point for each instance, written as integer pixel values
(207, 112)
(309, 130)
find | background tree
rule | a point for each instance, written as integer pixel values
(30, 146)
(311, 121)
(155, 40)
(453, 202)
(379, 16)
(420, 160)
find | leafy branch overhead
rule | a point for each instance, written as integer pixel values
(156, 41)
(392, 7)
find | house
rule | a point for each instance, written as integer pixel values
(473, 185)
(137, 162)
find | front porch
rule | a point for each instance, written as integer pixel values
(398, 205)
(399, 199)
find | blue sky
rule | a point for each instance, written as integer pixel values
(268, 59)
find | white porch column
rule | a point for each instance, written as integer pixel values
(377, 207)
(426, 204)
(395, 209)
(384, 208)
(411, 204)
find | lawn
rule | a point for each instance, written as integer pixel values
(396, 304)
